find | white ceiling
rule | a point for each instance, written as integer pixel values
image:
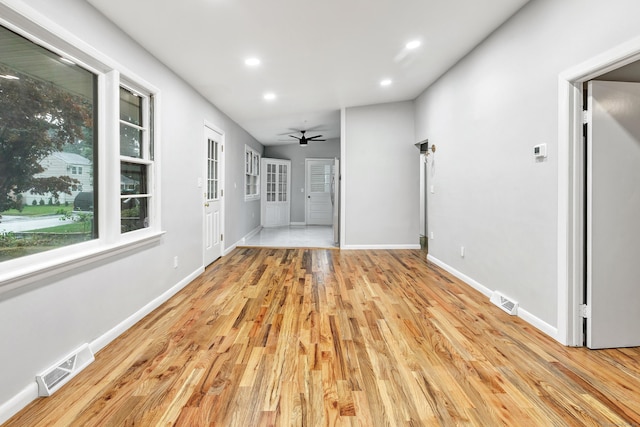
(317, 56)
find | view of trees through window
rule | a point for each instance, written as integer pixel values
(47, 174)
(135, 160)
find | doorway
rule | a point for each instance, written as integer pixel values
(213, 205)
(591, 299)
(319, 187)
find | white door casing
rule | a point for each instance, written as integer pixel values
(213, 195)
(318, 206)
(572, 186)
(275, 190)
(613, 212)
(335, 200)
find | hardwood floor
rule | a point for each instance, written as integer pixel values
(324, 337)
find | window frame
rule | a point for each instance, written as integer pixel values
(147, 152)
(110, 76)
(251, 171)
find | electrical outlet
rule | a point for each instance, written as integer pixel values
(431, 235)
(462, 251)
(175, 261)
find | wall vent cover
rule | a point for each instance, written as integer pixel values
(60, 373)
(505, 303)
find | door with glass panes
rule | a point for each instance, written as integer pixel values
(275, 199)
(213, 196)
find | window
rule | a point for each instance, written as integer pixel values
(47, 116)
(251, 174)
(213, 170)
(50, 143)
(136, 163)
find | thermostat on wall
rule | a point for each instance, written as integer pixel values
(540, 151)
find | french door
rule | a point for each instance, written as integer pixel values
(275, 199)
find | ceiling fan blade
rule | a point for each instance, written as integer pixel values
(294, 130)
(314, 137)
(315, 128)
(303, 130)
(293, 136)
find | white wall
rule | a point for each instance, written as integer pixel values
(314, 150)
(381, 177)
(423, 194)
(485, 115)
(42, 322)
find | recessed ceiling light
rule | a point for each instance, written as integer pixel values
(252, 62)
(385, 82)
(413, 44)
(270, 96)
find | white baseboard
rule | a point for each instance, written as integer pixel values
(468, 280)
(523, 314)
(30, 392)
(297, 224)
(242, 241)
(552, 331)
(11, 407)
(387, 247)
(100, 342)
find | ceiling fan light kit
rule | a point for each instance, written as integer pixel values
(304, 140)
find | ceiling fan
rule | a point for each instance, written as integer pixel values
(304, 140)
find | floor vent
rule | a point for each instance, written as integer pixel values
(507, 304)
(60, 373)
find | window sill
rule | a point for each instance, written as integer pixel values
(97, 251)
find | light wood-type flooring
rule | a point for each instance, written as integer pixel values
(316, 337)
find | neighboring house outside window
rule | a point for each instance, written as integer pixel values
(251, 174)
(61, 164)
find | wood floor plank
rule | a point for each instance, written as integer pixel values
(314, 337)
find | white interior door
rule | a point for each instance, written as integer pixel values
(613, 215)
(213, 196)
(319, 209)
(335, 200)
(275, 187)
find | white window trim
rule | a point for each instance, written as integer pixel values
(39, 29)
(249, 170)
(146, 93)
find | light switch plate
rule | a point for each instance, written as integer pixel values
(540, 151)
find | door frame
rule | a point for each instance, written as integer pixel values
(572, 184)
(221, 181)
